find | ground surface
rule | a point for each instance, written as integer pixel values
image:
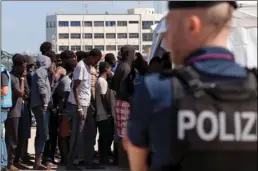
(31, 151)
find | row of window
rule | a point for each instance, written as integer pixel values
(100, 47)
(145, 36)
(145, 24)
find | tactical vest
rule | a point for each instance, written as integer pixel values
(6, 101)
(214, 124)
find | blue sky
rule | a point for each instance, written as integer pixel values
(23, 23)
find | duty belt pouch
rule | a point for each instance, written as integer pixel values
(216, 124)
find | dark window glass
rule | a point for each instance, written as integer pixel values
(63, 47)
(110, 35)
(121, 23)
(136, 47)
(111, 47)
(98, 35)
(147, 25)
(75, 23)
(87, 47)
(133, 22)
(63, 23)
(75, 35)
(119, 47)
(87, 23)
(99, 23)
(75, 48)
(100, 47)
(147, 37)
(122, 35)
(110, 23)
(63, 36)
(133, 35)
(87, 36)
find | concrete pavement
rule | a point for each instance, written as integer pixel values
(32, 151)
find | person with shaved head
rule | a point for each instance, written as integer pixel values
(194, 117)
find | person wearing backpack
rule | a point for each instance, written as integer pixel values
(202, 115)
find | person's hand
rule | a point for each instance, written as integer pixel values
(80, 113)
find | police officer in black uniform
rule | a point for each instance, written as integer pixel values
(201, 116)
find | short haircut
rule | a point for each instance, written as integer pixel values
(103, 66)
(155, 59)
(95, 52)
(81, 55)
(69, 65)
(18, 59)
(44, 47)
(110, 58)
(67, 54)
(51, 54)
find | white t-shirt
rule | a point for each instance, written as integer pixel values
(82, 72)
(101, 89)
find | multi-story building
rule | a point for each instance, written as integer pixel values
(107, 32)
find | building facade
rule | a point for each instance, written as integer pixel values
(107, 32)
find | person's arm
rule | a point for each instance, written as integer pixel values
(136, 141)
(16, 89)
(65, 86)
(4, 84)
(41, 83)
(103, 87)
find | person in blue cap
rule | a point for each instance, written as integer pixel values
(192, 118)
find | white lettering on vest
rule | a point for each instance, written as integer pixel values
(242, 123)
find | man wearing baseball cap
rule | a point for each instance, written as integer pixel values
(195, 117)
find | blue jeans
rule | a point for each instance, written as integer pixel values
(42, 133)
(3, 144)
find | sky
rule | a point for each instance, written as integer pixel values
(23, 23)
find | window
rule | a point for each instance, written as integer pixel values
(47, 24)
(136, 47)
(63, 23)
(87, 24)
(75, 23)
(87, 36)
(121, 23)
(122, 35)
(87, 47)
(147, 24)
(100, 47)
(98, 35)
(120, 46)
(54, 24)
(110, 23)
(63, 36)
(51, 24)
(63, 47)
(75, 35)
(99, 23)
(133, 22)
(111, 47)
(110, 35)
(156, 22)
(75, 48)
(147, 37)
(133, 35)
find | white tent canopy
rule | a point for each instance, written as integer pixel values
(242, 41)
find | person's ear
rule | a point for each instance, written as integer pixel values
(194, 26)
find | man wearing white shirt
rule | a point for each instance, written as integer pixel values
(78, 102)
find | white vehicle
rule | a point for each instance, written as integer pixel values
(242, 41)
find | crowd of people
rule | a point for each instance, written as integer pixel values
(72, 97)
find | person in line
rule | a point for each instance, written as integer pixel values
(45, 47)
(140, 68)
(111, 60)
(155, 65)
(178, 117)
(83, 126)
(67, 54)
(18, 75)
(40, 98)
(63, 91)
(123, 86)
(25, 119)
(81, 55)
(104, 116)
(6, 104)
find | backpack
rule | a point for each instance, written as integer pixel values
(215, 125)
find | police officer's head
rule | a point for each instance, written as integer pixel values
(192, 24)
